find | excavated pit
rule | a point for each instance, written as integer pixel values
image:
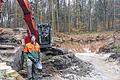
(61, 67)
(65, 66)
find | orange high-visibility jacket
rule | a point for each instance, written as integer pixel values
(29, 47)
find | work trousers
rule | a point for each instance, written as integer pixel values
(29, 67)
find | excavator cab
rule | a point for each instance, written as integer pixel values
(45, 35)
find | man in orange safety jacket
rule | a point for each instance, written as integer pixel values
(32, 56)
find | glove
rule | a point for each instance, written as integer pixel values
(38, 65)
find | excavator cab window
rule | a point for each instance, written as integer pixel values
(44, 31)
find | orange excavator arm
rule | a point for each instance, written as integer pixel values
(28, 17)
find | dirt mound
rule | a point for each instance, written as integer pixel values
(63, 65)
(99, 42)
(8, 36)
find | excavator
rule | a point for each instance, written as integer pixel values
(42, 32)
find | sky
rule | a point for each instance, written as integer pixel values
(70, 1)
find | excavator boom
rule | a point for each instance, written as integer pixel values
(28, 17)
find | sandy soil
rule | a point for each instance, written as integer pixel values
(102, 70)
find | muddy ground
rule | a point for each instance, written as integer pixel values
(94, 58)
(86, 56)
(81, 66)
